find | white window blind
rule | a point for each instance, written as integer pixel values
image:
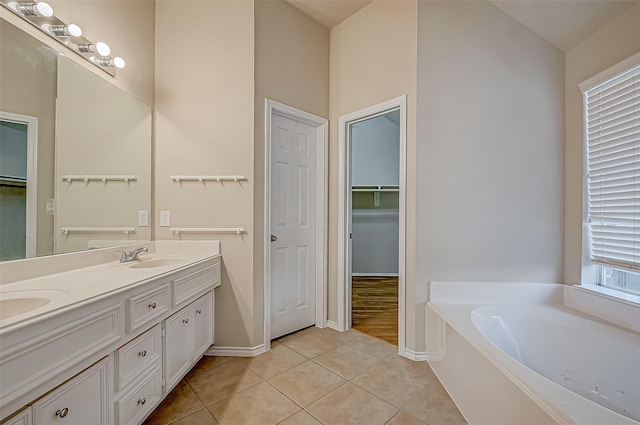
(612, 111)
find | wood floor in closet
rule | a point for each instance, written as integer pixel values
(374, 307)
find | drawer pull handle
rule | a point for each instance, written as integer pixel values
(142, 400)
(153, 305)
(142, 353)
(62, 412)
(185, 321)
(198, 311)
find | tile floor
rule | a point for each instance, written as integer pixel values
(315, 376)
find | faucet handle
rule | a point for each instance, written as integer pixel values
(123, 254)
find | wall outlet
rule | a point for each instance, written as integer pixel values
(50, 206)
(165, 218)
(143, 218)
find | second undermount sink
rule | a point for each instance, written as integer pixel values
(21, 302)
(158, 262)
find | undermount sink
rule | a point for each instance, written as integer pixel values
(20, 302)
(157, 262)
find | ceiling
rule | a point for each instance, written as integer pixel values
(564, 23)
(329, 13)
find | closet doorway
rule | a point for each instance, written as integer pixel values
(371, 221)
(18, 156)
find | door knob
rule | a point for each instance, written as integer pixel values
(274, 238)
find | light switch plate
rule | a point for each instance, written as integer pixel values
(165, 218)
(143, 218)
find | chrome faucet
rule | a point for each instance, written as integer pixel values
(125, 256)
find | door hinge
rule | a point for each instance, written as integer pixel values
(163, 333)
(164, 382)
(350, 235)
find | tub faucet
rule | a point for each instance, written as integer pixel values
(125, 256)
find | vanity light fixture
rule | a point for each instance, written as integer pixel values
(71, 30)
(40, 14)
(35, 9)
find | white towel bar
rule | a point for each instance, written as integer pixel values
(178, 230)
(125, 230)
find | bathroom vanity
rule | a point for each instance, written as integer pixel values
(95, 341)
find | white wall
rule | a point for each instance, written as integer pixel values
(291, 67)
(373, 59)
(490, 151)
(375, 152)
(615, 42)
(204, 125)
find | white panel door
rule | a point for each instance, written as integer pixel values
(293, 223)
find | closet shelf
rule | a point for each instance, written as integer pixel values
(236, 230)
(202, 178)
(125, 230)
(98, 177)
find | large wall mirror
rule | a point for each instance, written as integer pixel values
(75, 154)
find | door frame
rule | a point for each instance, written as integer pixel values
(32, 176)
(322, 153)
(344, 211)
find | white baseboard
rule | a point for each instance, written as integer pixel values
(333, 325)
(374, 274)
(236, 351)
(418, 356)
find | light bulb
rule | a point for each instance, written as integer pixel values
(74, 30)
(44, 9)
(103, 48)
(35, 9)
(118, 62)
(71, 30)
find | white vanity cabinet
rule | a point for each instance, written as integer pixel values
(81, 401)
(188, 334)
(113, 358)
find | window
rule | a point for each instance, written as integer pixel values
(612, 133)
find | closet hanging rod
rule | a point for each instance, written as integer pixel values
(125, 230)
(202, 178)
(236, 230)
(99, 177)
(372, 188)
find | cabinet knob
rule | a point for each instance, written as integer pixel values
(62, 412)
(152, 305)
(185, 321)
(198, 311)
(142, 400)
(142, 353)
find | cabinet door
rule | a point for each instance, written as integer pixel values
(177, 347)
(22, 418)
(81, 401)
(202, 325)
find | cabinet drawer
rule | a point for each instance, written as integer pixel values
(143, 308)
(190, 285)
(136, 356)
(143, 397)
(81, 401)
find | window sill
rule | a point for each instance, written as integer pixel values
(610, 293)
(608, 304)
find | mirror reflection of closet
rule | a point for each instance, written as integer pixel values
(375, 163)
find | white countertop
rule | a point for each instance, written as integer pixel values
(78, 283)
